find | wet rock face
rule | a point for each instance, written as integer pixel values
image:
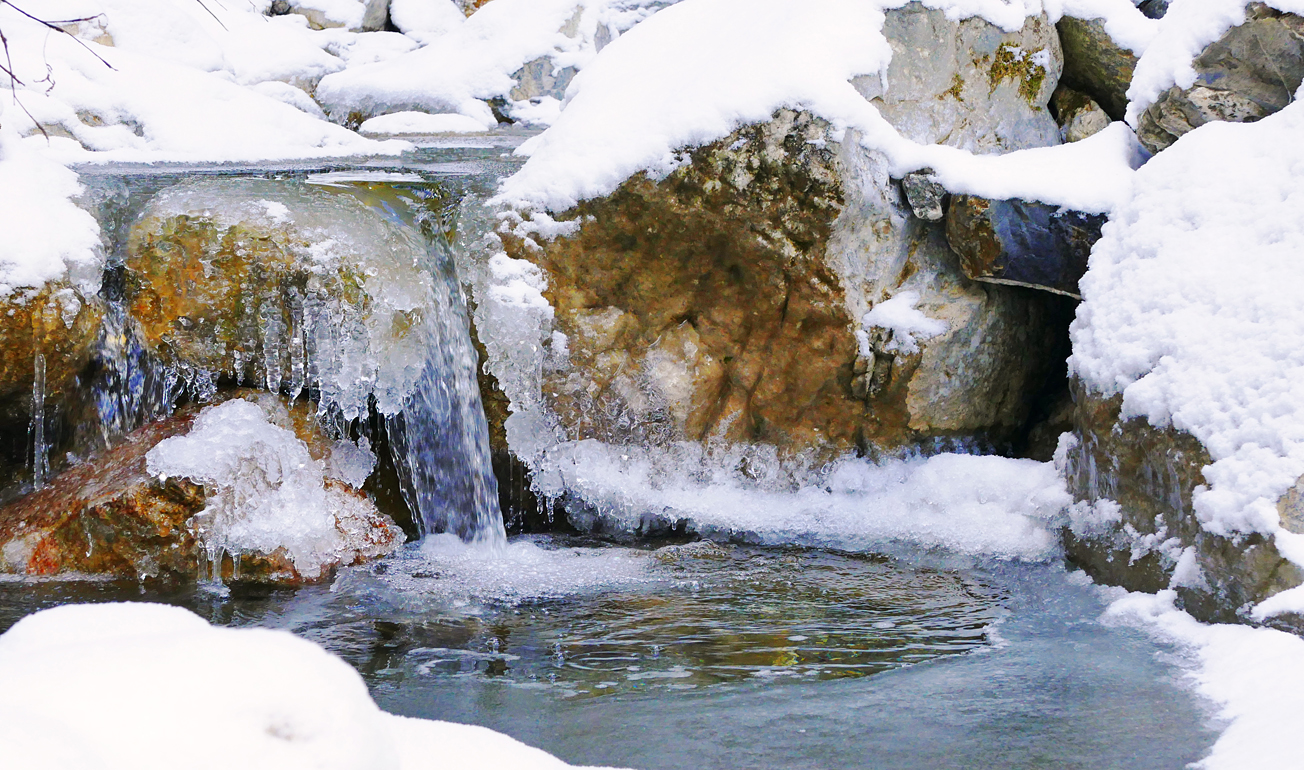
(968, 84)
(1022, 243)
(61, 326)
(724, 301)
(109, 516)
(1095, 65)
(1150, 473)
(263, 282)
(1250, 72)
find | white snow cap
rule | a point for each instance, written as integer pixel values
(100, 686)
(908, 325)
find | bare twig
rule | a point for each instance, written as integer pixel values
(54, 25)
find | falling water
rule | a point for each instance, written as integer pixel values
(40, 448)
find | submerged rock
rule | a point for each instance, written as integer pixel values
(1021, 243)
(1249, 73)
(1095, 65)
(1134, 524)
(111, 516)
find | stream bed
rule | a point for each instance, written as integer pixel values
(706, 656)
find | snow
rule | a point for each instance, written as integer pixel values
(44, 232)
(1255, 676)
(981, 506)
(264, 491)
(420, 123)
(696, 71)
(1191, 312)
(100, 686)
(907, 325)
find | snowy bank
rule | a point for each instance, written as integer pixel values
(102, 686)
(1190, 314)
(1254, 676)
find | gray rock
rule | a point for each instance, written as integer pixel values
(926, 196)
(1095, 65)
(540, 78)
(1021, 243)
(967, 84)
(1153, 9)
(1250, 72)
(376, 17)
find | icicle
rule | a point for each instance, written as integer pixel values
(40, 450)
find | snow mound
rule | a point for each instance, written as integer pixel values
(97, 686)
(420, 123)
(977, 506)
(1191, 311)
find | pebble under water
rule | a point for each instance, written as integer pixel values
(706, 656)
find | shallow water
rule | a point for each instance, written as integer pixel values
(702, 656)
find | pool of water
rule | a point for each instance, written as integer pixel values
(706, 656)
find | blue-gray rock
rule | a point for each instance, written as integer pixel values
(1021, 243)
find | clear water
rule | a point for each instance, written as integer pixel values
(731, 657)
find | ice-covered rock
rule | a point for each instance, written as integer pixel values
(285, 285)
(246, 491)
(1252, 71)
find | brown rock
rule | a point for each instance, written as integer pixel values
(109, 516)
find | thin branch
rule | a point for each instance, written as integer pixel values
(53, 25)
(14, 82)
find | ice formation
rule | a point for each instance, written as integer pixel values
(981, 506)
(264, 491)
(100, 686)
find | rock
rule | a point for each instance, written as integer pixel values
(968, 84)
(926, 196)
(1250, 72)
(1021, 243)
(1095, 65)
(471, 6)
(376, 16)
(539, 78)
(1153, 9)
(723, 303)
(61, 325)
(109, 516)
(283, 285)
(1141, 479)
(1078, 115)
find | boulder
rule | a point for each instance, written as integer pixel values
(1134, 524)
(1250, 72)
(926, 196)
(376, 16)
(968, 83)
(724, 302)
(282, 285)
(110, 516)
(1095, 65)
(1021, 243)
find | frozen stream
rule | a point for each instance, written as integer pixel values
(726, 657)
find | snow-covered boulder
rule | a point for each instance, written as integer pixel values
(1187, 360)
(722, 293)
(245, 491)
(1253, 70)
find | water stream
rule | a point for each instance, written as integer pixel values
(659, 656)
